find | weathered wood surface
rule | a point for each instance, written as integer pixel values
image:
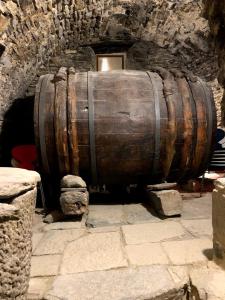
(125, 125)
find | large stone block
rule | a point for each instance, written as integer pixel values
(16, 218)
(74, 202)
(218, 220)
(152, 282)
(97, 251)
(74, 197)
(167, 203)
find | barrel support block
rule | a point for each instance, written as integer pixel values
(167, 203)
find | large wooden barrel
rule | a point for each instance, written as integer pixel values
(124, 127)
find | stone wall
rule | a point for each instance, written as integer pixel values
(215, 13)
(33, 31)
(17, 203)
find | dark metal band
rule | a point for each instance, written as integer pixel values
(157, 123)
(92, 129)
(209, 121)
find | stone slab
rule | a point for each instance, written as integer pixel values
(161, 186)
(45, 265)
(104, 229)
(152, 232)
(131, 283)
(54, 216)
(105, 215)
(63, 225)
(9, 211)
(39, 227)
(197, 208)
(54, 241)
(166, 203)
(36, 238)
(97, 251)
(38, 216)
(38, 286)
(14, 181)
(209, 282)
(146, 254)
(179, 274)
(192, 251)
(198, 228)
(139, 213)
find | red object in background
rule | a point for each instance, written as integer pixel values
(25, 156)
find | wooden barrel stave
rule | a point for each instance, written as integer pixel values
(71, 123)
(48, 129)
(201, 140)
(60, 121)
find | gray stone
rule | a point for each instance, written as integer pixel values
(153, 282)
(179, 274)
(54, 241)
(198, 228)
(197, 208)
(45, 265)
(209, 283)
(139, 213)
(97, 251)
(167, 202)
(152, 232)
(54, 216)
(105, 215)
(36, 237)
(74, 203)
(9, 211)
(162, 186)
(146, 254)
(15, 181)
(38, 286)
(194, 251)
(104, 229)
(72, 181)
(63, 225)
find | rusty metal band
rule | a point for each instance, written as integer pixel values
(91, 124)
(209, 122)
(195, 123)
(157, 123)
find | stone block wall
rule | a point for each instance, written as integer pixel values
(33, 31)
(17, 203)
(214, 11)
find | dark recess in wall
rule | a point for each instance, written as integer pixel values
(111, 47)
(17, 128)
(2, 49)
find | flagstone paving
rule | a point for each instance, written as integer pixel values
(125, 252)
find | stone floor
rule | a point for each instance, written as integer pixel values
(125, 251)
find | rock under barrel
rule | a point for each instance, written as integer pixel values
(124, 126)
